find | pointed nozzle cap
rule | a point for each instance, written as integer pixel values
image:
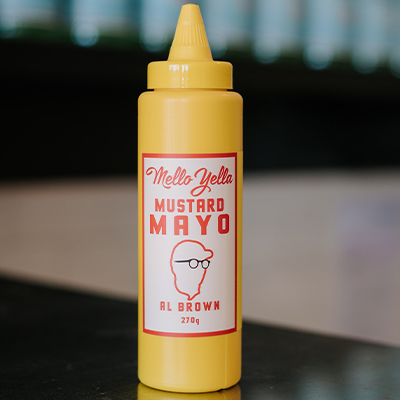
(190, 41)
(190, 64)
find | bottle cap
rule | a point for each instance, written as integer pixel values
(190, 63)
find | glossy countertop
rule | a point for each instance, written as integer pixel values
(58, 344)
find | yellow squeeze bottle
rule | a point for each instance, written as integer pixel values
(190, 164)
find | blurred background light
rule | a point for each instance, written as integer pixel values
(370, 37)
(85, 34)
(325, 28)
(157, 23)
(364, 34)
(276, 28)
(318, 56)
(228, 24)
(21, 13)
(91, 19)
(394, 62)
(394, 37)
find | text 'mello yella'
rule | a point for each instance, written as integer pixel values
(200, 182)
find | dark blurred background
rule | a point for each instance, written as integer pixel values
(320, 81)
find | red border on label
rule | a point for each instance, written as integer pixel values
(194, 155)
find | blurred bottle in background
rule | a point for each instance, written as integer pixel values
(228, 24)
(276, 29)
(369, 34)
(325, 32)
(91, 19)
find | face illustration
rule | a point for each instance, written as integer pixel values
(189, 262)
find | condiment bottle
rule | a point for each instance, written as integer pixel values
(190, 218)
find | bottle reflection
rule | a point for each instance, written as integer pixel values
(146, 393)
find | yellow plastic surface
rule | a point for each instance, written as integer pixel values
(190, 64)
(190, 121)
(146, 393)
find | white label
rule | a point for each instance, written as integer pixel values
(189, 244)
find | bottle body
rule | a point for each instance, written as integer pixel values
(196, 136)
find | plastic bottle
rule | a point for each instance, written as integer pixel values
(190, 218)
(146, 393)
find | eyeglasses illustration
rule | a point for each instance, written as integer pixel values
(194, 263)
